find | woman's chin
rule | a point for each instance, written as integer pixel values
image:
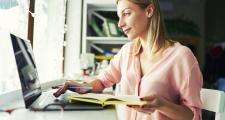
(130, 37)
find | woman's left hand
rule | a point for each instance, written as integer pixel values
(153, 102)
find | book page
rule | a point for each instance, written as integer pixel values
(101, 97)
(106, 99)
(90, 97)
(125, 99)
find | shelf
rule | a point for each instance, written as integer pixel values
(108, 40)
(104, 5)
(106, 8)
(100, 2)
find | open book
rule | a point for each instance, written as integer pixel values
(106, 99)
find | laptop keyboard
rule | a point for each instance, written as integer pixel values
(49, 101)
(44, 99)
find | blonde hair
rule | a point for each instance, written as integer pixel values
(156, 31)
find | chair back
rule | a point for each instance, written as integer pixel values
(214, 100)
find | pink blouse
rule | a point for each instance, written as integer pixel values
(176, 77)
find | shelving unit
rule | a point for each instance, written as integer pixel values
(107, 40)
(87, 40)
(182, 31)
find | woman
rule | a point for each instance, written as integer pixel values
(162, 72)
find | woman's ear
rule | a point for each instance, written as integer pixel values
(150, 10)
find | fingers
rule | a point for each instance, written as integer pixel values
(57, 93)
(61, 90)
(72, 86)
(57, 86)
(145, 110)
(153, 102)
(141, 109)
(148, 98)
(148, 105)
(134, 106)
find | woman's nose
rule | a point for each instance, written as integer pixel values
(121, 23)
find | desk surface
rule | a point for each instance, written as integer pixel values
(24, 114)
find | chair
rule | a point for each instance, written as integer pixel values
(214, 100)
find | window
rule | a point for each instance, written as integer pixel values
(49, 20)
(13, 19)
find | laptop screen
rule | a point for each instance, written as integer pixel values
(26, 68)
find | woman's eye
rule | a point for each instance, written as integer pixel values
(126, 14)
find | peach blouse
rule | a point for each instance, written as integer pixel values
(176, 77)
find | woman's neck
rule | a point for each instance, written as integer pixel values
(146, 47)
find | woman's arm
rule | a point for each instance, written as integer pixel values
(97, 85)
(176, 112)
(94, 86)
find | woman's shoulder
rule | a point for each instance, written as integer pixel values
(183, 50)
(183, 53)
(127, 47)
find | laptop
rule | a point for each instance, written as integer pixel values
(34, 97)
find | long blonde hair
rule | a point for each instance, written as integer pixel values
(157, 31)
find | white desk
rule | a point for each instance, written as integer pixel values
(24, 114)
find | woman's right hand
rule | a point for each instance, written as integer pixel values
(72, 86)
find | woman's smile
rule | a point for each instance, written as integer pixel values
(126, 30)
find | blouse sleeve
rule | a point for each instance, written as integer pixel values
(190, 92)
(190, 83)
(112, 74)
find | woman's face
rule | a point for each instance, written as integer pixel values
(132, 20)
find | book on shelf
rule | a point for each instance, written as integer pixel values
(97, 29)
(106, 99)
(110, 28)
(104, 27)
